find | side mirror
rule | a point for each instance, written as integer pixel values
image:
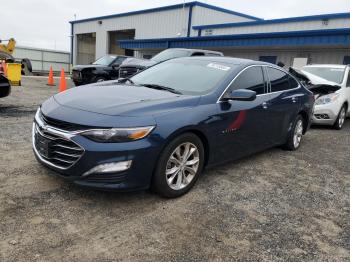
(240, 95)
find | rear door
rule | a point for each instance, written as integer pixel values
(283, 105)
(241, 129)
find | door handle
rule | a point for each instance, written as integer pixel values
(264, 105)
(294, 99)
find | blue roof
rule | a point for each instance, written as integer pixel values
(292, 38)
(165, 8)
(275, 21)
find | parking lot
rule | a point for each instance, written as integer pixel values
(273, 206)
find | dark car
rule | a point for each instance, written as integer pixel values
(5, 87)
(133, 67)
(103, 69)
(160, 128)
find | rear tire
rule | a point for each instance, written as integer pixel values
(339, 123)
(179, 166)
(295, 135)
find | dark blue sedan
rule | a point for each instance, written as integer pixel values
(160, 128)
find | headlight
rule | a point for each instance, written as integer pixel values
(327, 99)
(118, 135)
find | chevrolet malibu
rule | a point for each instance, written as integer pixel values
(161, 127)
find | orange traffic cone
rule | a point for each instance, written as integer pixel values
(63, 83)
(50, 81)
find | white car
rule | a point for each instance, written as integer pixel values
(333, 95)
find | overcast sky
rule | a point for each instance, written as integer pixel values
(42, 23)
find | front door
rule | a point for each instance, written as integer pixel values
(241, 129)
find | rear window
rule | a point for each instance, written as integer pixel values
(335, 75)
(279, 80)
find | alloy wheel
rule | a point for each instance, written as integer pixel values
(298, 133)
(342, 115)
(182, 166)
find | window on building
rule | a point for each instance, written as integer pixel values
(278, 79)
(346, 60)
(252, 79)
(268, 59)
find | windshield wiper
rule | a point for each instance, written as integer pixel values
(160, 87)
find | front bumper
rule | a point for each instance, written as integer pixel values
(142, 153)
(325, 114)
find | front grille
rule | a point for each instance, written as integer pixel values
(58, 151)
(126, 72)
(62, 124)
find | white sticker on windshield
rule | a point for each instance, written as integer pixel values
(220, 67)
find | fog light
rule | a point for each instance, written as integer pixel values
(109, 168)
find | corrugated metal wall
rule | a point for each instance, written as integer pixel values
(284, 27)
(315, 56)
(42, 59)
(167, 23)
(162, 24)
(205, 16)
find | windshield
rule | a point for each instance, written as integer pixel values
(170, 54)
(104, 60)
(329, 73)
(189, 77)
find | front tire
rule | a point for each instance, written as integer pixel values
(179, 166)
(295, 135)
(339, 123)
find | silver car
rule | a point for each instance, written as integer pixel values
(332, 102)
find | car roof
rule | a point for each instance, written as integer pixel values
(225, 59)
(327, 65)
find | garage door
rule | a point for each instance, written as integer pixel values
(86, 48)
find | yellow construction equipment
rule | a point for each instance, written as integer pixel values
(6, 51)
(9, 48)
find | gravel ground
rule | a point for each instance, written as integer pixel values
(273, 206)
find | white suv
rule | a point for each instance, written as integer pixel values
(332, 105)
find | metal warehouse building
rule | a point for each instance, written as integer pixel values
(293, 41)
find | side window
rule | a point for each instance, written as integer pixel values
(252, 79)
(278, 79)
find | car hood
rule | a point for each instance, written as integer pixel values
(81, 67)
(315, 84)
(123, 100)
(316, 80)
